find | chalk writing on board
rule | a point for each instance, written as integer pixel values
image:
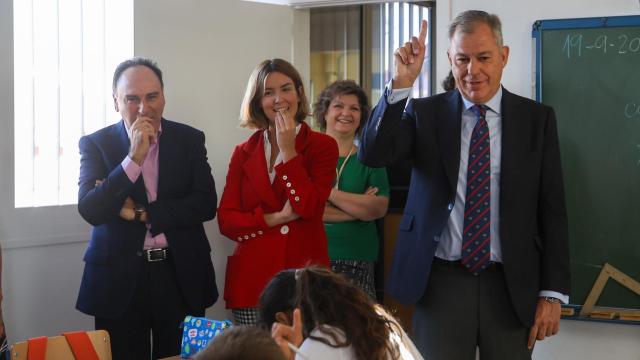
(632, 110)
(576, 44)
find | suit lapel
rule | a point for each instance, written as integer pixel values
(121, 143)
(302, 138)
(515, 136)
(255, 169)
(166, 143)
(449, 129)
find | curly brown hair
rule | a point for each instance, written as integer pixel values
(327, 298)
(338, 88)
(251, 114)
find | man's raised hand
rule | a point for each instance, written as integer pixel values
(143, 134)
(409, 58)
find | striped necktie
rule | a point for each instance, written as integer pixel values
(476, 235)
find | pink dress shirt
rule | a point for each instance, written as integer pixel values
(149, 171)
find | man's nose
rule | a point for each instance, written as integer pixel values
(141, 107)
(472, 67)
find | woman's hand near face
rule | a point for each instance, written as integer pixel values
(286, 135)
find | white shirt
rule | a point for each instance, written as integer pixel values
(450, 246)
(316, 350)
(311, 349)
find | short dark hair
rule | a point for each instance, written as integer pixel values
(467, 20)
(338, 88)
(136, 61)
(449, 83)
(242, 342)
(278, 296)
(251, 114)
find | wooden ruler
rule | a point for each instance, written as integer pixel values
(609, 272)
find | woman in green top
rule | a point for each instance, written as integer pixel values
(360, 194)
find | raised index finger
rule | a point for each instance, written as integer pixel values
(423, 32)
(297, 321)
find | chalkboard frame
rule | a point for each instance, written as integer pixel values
(539, 26)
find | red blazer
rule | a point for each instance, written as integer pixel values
(261, 252)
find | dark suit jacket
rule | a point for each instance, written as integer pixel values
(186, 198)
(533, 221)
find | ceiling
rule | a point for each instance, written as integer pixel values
(316, 3)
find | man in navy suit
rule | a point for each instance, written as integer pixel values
(146, 187)
(482, 249)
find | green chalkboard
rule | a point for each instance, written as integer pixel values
(588, 70)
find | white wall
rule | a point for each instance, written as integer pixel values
(576, 340)
(206, 50)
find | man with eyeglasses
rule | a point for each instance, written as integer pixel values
(146, 187)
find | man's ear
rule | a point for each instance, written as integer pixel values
(283, 318)
(505, 55)
(115, 102)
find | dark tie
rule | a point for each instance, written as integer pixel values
(476, 235)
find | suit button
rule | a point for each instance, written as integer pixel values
(246, 237)
(288, 184)
(284, 230)
(293, 192)
(284, 177)
(239, 238)
(253, 235)
(450, 206)
(259, 232)
(297, 198)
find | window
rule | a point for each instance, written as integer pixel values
(65, 52)
(392, 24)
(357, 43)
(335, 46)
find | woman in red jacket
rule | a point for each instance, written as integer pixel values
(277, 184)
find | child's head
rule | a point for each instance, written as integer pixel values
(278, 300)
(242, 342)
(327, 298)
